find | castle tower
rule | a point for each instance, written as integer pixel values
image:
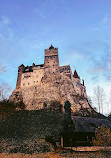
(20, 71)
(51, 60)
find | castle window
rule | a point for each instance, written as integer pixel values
(26, 76)
(34, 81)
(28, 83)
(23, 84)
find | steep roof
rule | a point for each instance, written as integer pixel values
(76, 74)
(87, 124)
(22, 65)
(51, 47)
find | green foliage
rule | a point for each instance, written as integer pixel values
(68, 125)
(27, 147)
(45, 105)
(20, 105)
(51, 140)
(56, 105)
(34, 125)
(102, 136)
(83, 112)
(7, 106)
(67, 108)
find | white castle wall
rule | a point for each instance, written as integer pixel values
(32, 78)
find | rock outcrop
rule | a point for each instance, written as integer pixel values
(39, 84)
(53, 87)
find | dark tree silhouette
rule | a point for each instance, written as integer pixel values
(67, 107)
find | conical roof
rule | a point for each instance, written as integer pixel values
(76, 74)
(51, 47)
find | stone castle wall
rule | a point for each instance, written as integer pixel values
(48, 82)
(32, 78)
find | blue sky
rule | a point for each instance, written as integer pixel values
(81, 29)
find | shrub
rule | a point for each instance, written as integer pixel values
(102, 136)
(20, 105)
(56, 105)
(67, 107)
(45, 105)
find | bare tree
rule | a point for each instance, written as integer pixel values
(89, 100)
(4, 91)
(4, 87)
(109, 103)
(99, 98)
(2, 68)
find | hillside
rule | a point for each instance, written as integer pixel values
(28, 131)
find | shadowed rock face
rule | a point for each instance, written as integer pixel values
(53, 87)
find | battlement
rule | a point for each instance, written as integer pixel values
(51, 52)
(32, 68)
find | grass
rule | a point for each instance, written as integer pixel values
(30, 131)
(26, 134)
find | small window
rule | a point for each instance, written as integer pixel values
(28, 83)
(23, 84)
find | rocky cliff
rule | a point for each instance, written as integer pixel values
(53, 87)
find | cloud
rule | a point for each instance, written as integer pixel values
(5, 27)
(40, 12)
(72, 56)
(101, 63)
(4, 20)
(103, 24)
(50, 7)
(100, 49)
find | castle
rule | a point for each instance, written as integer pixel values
(37, 84)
